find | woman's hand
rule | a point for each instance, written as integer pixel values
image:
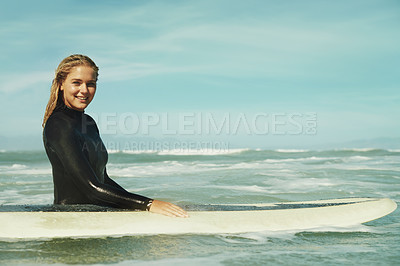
(167, 209)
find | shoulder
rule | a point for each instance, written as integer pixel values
(58, 120)
(58, 126)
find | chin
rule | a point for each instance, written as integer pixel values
(79, 107)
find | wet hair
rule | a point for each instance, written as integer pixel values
(61, 73)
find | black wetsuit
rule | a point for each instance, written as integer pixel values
(78, 158)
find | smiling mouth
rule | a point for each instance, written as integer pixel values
(82, 98)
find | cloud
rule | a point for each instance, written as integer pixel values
(284, 45)
(319, 55)
(140, 40)
(130, 70)
(18, 82)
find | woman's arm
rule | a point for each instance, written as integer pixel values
(156, 206)
(111, 182)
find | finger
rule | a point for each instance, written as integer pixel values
(174, 211)
(178, 210)
(168, 209)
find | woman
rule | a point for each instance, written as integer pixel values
(75, 149)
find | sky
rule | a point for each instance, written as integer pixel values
(257, 73)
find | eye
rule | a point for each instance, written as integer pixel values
(91, 85)
(76, 83)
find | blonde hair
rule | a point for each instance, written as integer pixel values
(61, 73)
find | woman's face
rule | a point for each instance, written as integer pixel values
(79, 87)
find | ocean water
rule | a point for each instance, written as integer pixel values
(221, 176)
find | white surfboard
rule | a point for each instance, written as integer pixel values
(50, 222)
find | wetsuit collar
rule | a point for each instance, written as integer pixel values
(67, 110)
(71, 112)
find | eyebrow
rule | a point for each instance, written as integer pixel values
(92, 80)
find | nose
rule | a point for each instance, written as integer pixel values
(84, 89)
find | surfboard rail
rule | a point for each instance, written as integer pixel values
(286, 216)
